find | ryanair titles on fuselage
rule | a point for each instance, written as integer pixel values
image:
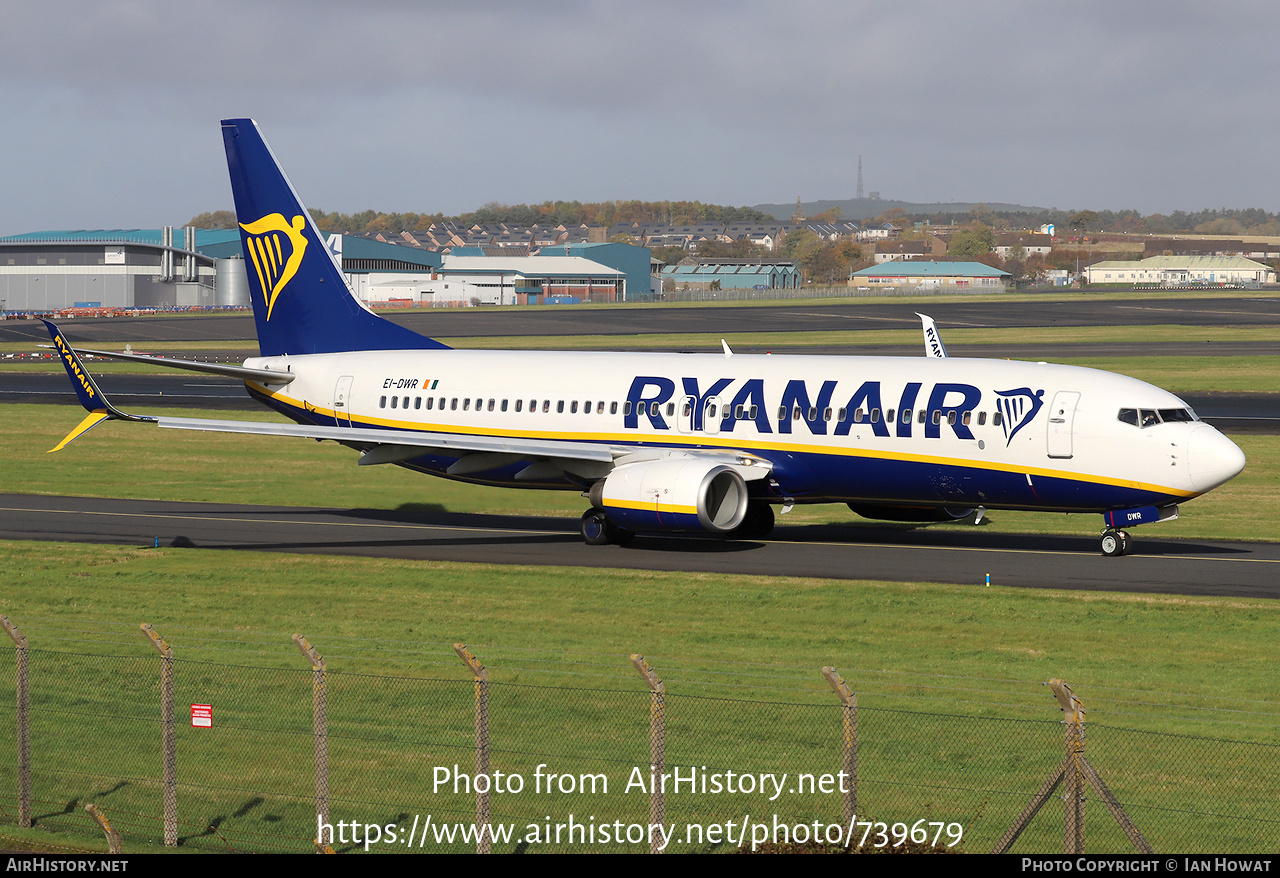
(745, 400)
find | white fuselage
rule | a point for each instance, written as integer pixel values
(854, 429)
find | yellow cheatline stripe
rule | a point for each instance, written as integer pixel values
(92, 420)
(650, 506)
(736, 443)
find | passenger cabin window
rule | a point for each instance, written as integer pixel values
(613, 408)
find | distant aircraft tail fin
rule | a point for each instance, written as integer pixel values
(301, 302)
(933, 346)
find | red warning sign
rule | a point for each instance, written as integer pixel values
(202, 716)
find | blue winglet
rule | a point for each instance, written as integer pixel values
(87, 392)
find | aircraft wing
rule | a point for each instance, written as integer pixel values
(422, 441)
(261, 375)
(475, 452)
(264, 376)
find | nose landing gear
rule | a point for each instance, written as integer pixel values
(1115, 542)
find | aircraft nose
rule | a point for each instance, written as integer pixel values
(1212, 458)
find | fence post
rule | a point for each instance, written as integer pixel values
(113, 836)
(1073, 778)
(481, 676)
(849, 701)
(24, 723)
(320, 731)
(657, 749)
(1074, 772)
(168, 744)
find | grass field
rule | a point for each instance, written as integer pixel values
(955, 722)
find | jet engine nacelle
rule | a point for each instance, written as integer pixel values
(910, 513)
(681, 494)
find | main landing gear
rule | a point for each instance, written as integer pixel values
(1115, 542)
(598, 530)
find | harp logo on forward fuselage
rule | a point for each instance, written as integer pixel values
(1019, 407)
(275, 246)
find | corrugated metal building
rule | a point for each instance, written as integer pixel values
(941, 276)
(159, 268)
(731, 274)
(1181, 271)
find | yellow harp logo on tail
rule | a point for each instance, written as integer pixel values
(275, 247)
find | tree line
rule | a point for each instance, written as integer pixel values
(549, 213)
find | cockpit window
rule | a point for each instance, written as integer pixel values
(1151, 417)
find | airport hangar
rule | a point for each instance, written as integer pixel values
(167, 269)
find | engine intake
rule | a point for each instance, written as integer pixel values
(673, 495)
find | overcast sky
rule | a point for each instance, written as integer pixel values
(110, 109)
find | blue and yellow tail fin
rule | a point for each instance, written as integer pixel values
(301, 302)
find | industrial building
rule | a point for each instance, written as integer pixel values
(204, 268)
(1172, 271)
(945, 277)
(730, 274)
(121, 268)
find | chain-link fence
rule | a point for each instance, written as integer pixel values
(268, 758)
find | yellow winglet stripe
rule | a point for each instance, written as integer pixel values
(92, 420)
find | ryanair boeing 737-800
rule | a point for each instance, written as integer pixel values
(686, 442)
